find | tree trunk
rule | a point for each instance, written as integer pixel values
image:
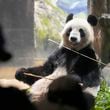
(102, 30)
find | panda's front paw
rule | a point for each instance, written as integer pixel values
(20, 74)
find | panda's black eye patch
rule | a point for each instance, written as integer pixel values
(68, 31)
(82, 33)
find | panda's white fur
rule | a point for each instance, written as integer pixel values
(92, 90)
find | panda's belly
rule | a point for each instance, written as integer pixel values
(41, 86)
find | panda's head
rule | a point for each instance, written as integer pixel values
(78, 32)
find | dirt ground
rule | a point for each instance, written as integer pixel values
(7, 72)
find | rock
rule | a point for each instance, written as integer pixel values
(106, 73)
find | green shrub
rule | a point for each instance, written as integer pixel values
(103, 97)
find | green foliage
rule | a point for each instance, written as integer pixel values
(103, 98)
(47, 30)
(48, 24)
(42, 33)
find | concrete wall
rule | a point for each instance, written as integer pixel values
(16, 18)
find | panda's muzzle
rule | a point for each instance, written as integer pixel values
(74, 37)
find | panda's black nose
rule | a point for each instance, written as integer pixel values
(73, 39)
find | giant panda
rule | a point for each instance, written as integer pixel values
(77, 35)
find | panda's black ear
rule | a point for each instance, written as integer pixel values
(69, 17)
(92, 20)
